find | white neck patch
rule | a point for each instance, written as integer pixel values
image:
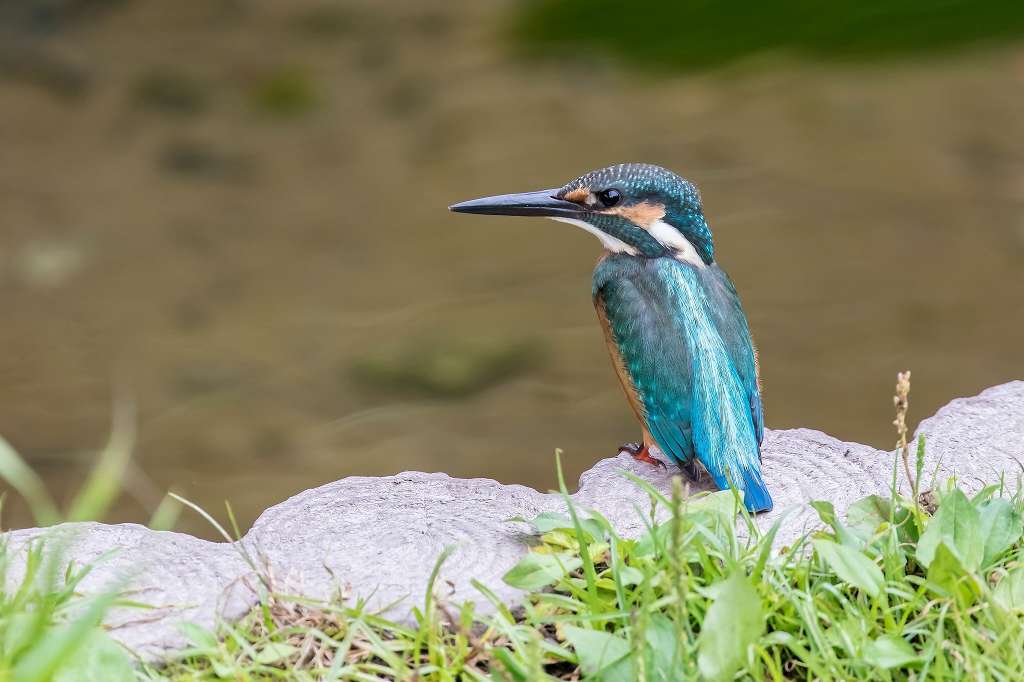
(607, 241)
(673, 239)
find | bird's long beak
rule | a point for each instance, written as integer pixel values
(542, 203)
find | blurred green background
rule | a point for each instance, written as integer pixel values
(233, 214)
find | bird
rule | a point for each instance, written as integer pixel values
(676, 331)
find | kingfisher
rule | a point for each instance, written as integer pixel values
(672, 320)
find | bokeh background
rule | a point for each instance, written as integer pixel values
(231, 214)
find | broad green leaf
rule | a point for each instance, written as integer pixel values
(826, 511)
(732, 624)
(548, 521)
(889, 651)
(848, 634)
(1009, 593)
(719, 502)
(227, 669)
(601, 654)
(852, 566)
(948, 573)
(100, 660)
(958, 525)
(827, 514)
(537, 570)
(653, 540)
(662, 649)
(867, 514)
(562, 538)
(1000, 527)
(627, 576)
(984, 495)
(198, 636)
(630, 576)
(593, 528)
(274, 652)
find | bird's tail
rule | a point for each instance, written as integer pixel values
(749, 483)
(756, 497)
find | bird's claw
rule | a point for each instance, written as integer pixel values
(639, 452)
(693, 470)
(632, 448)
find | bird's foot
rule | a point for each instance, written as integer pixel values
(693, 469)
(640, 453)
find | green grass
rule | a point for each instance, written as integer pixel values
(48, 631)
(892, 592)
(693, 34)
(925, 588)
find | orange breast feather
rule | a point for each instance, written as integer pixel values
(620, 369)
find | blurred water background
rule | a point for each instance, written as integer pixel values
(231, 213)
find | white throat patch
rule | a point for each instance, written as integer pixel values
(607, 241)
(668, 236)
(673, 239)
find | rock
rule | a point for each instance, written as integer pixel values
(800, 465)
(977, 439)
(382, 536)
(183, 579)
(379, 538)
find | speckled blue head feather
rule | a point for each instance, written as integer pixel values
(632, 208)
(646, 190)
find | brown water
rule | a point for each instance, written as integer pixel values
(266, 266)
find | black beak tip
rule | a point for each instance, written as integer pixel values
(542, 203)
(465, 206)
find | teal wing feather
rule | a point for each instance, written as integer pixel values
(683, 340)
(731, 323)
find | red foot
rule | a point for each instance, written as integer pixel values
(641, 454)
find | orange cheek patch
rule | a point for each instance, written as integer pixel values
(578, 195)
(643, 214)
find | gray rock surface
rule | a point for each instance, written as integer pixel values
(379, 538)
(978, 439)
(181, 578)
(382, 536)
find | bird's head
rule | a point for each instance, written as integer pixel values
(633, 208)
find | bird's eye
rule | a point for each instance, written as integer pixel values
(609, 197)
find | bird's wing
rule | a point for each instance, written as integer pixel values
(664, 353)
(731, 323)
(651, 357)
(676, 334)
